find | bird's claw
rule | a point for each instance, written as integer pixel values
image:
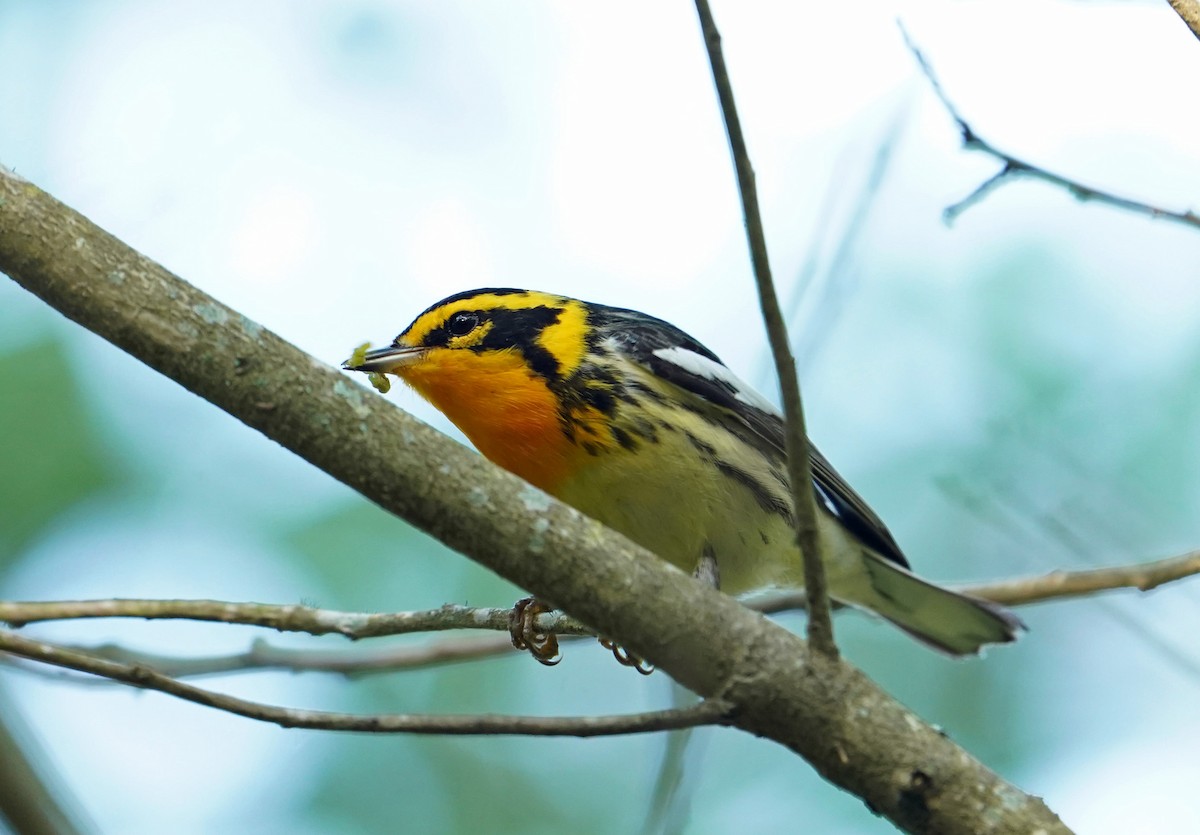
(626, 658)
(522, 628)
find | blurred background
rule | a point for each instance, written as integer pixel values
(1014, 393)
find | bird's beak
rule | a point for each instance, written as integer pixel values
(386, 360)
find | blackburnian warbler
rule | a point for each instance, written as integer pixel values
(635, 423)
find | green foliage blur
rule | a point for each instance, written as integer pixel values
(1014, 395)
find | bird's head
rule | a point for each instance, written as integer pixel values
(492, 361)
(479, 331)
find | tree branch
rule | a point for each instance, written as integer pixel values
(852, 732)
(1014, 167)
(34, 800)
(356, 625)
(264, 655)
(704, 713)
(1058, 585)
(285, 618)
(1189, 13)
(820, 620)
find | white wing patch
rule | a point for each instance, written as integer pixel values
(702, 366)
(826, 499)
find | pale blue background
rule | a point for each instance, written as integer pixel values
(1014, 394)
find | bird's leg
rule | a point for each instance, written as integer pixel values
(706, 572)
(522, 628)
(543, 646)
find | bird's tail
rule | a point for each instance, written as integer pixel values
(956, 624)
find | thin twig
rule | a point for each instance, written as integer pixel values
(289, 618)
(820, 621)
(707, 712)
(34, 799)
(264, 655)
(1056, 585)
(1015, 167)
(285, 618)
(1010, 510)
(1059, 585)
(839, 278)
(1189, 12)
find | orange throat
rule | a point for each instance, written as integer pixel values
(505, 410)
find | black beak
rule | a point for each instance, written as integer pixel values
(383, 360)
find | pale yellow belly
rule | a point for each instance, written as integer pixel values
(674, 504)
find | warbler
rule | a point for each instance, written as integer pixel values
(635, 423)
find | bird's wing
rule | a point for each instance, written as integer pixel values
(673, 356)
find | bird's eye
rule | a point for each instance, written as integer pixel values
(461, 324)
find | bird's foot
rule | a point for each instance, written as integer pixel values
(626, 658)
(522, 628)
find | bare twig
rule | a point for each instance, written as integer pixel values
(1058, 585)
(34, 800)
(820, 621)
(285, 618)
(838, 268)
(1189, 12)
(1010, 510)
(707, 712)
(262, 655)
(1012, 166)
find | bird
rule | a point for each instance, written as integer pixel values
(635, 423)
